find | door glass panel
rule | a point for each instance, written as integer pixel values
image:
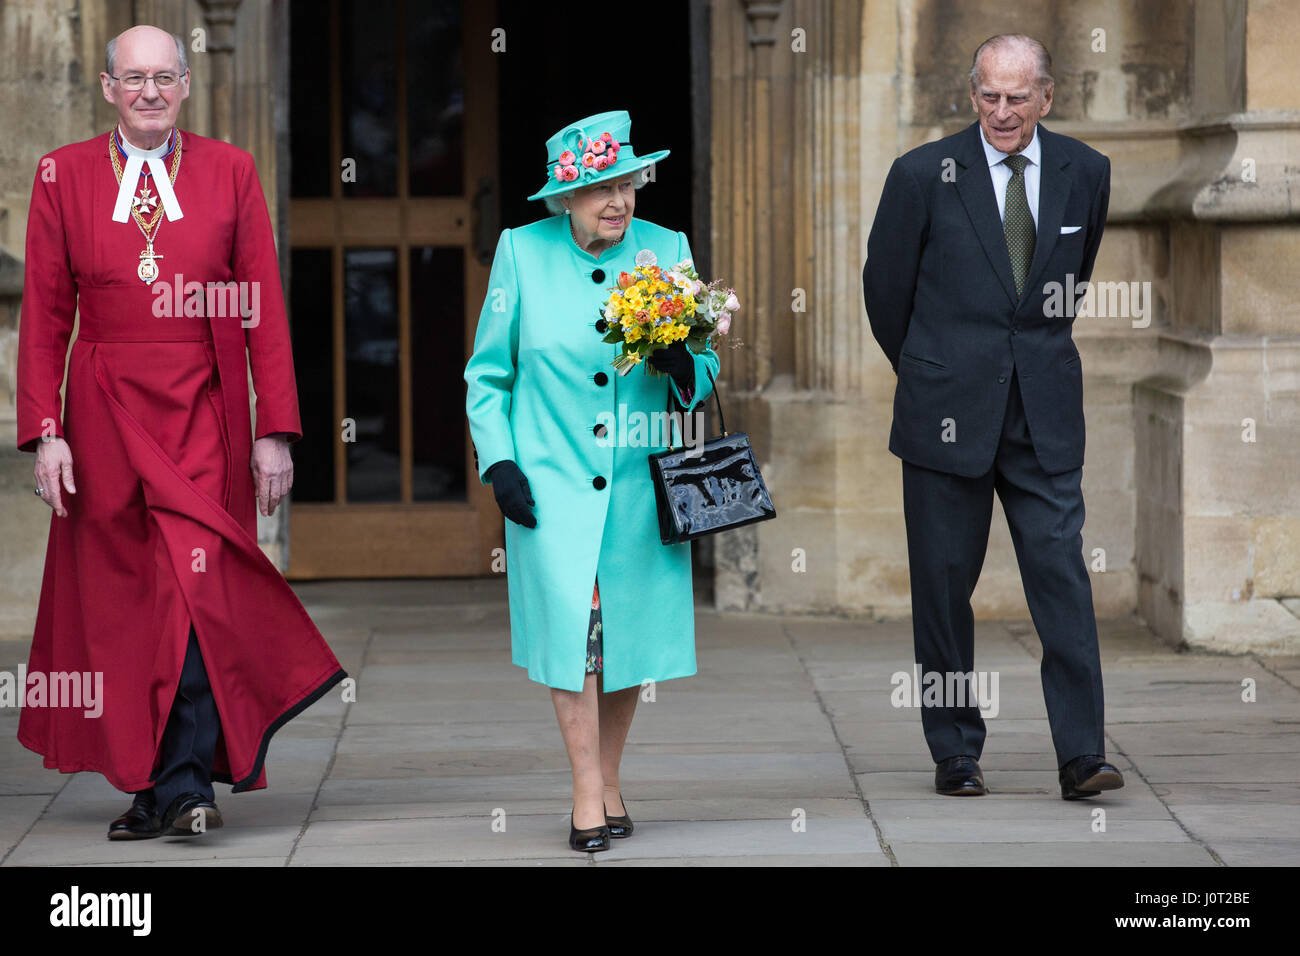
(438, 364)
(309, 100)
(435, 97)
(312, 327)
(371, 343)
(368, 60)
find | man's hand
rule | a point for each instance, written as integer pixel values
(54, 462)
(272, 472)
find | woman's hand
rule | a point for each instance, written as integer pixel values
(678, 362)
(513, 495)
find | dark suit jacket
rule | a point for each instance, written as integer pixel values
(942, 304)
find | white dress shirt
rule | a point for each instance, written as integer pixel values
(1001, 173)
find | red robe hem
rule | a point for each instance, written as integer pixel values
(255, 780)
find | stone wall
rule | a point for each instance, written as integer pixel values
(1179, 94)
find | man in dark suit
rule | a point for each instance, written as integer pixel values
(971, 234)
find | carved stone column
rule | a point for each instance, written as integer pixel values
(1218, 424)
(220, 18)
(786, 96)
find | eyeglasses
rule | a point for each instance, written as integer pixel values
(136, 81)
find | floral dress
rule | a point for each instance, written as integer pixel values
(595, 646)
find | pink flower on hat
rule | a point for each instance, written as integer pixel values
(567, 158)
(559, 172)
(598, 146)
(601, 162)
(570, 173)
(588, 159)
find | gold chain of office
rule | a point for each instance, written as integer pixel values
(148, 268)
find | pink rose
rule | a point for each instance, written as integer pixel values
(580, 142)
(613, 143)
(570, 173)
(598, 147)
(606, 137)
(567, 158)
(601, 162)
(588, 159)
(732, 303)
(724, 323)
(559, 172)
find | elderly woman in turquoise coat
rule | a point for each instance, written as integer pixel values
(599, 608)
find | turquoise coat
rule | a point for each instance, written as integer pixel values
(535, 397)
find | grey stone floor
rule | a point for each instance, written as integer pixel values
(789, 718)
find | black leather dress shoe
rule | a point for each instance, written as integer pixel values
(189, 815)
(589, 841)
(619, 827)
(138, 823)
(959, 776)
(1087, 776)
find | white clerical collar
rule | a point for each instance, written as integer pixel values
(1033, 152)
(136, 159)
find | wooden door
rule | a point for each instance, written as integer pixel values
(393, 125)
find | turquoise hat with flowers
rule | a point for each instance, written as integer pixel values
(591, 150)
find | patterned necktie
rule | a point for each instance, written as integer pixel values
(1018, 224)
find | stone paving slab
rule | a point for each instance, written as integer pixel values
(1017, 808)
(789, 719)
(958, 829)
(544, 837)
(1239, 822)
(647, 809)
(16, 816)
(1073, 854)
(1271, 852)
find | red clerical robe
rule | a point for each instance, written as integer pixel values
(162, 531)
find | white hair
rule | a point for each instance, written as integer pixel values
(110, 54)
(1019, 41)
(639, 179)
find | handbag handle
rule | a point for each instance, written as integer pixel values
(722, 422)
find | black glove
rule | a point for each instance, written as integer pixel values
(513, 496)
(678, 362)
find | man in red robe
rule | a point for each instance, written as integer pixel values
(154, 581)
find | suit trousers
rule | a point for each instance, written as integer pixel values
(948, 518)
(190, 737)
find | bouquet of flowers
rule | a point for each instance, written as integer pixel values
(651, 308)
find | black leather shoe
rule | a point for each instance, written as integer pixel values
(138, 823)
(189, 815)
(619, 827)
(589, 841)
(1087, 776)
(959, 776)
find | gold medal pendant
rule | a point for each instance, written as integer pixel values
(148, 268)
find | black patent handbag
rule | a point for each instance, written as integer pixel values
(714, 488)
